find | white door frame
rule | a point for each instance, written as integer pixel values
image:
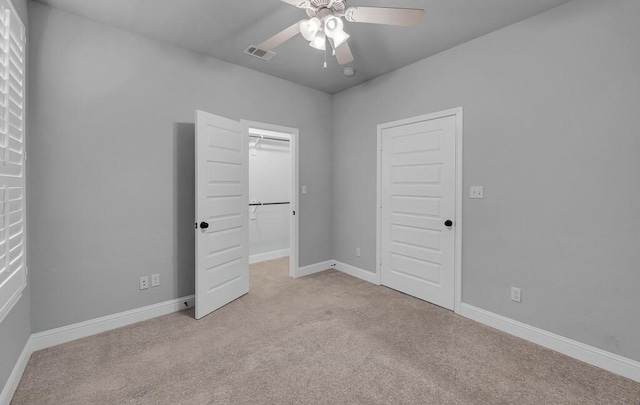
(294, 223)
(457, 113)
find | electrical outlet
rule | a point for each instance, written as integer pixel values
(144, 282)
(358, 252)
(476, 192)
(516, 294)
(155, 280)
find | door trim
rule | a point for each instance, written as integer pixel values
(294, 225)
(457, 113)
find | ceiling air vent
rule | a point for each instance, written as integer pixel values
(259, 53)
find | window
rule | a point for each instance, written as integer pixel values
(13, 271)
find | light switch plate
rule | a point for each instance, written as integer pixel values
(476, 192)
(304, 189)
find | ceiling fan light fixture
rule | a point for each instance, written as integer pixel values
(333, 25)
(309, 29)
(334, 28)
(319, 42)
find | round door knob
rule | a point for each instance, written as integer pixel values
(204, 225)
(448, 223)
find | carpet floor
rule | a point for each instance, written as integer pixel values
(324, 339)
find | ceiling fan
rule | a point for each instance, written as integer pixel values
(325, 24)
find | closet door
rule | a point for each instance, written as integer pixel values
(222, 223)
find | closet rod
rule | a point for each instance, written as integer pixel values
(271, 138)
(273, 203)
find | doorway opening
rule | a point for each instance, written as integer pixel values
(273, 179)
(223, 205)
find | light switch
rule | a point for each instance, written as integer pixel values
(477, 192)
(304, 189)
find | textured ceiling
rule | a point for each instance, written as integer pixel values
(224, 28)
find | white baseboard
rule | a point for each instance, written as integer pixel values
(314, 268)
(16, 374)
(343, 267)
(592, 355)
(357, 272)
(64, 334)
(261, 257)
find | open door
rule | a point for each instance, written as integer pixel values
(222, 223)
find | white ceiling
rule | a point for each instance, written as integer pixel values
(224, 28)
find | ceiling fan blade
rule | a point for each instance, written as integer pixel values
(343, 54)
(405, 17)
(298, 3)
(280, 38)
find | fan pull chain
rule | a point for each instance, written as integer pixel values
(325, 55)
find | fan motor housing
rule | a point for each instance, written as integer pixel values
(338, 6)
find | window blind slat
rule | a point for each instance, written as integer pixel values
(15, 254)
(14, 267)
(15, 145)
(15, 217)
(14, 76)
(14, 133)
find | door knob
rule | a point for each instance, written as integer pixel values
(448, 223)
(204, 225)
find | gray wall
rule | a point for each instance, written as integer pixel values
(552, 130)
(111, 156)
(16, 327)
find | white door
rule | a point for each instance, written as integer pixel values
(222, 224)
(418, 197)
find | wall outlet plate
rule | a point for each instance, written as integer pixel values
(144, 282)
(516, 294)
(476, 192)
(358, 252)
(155, 280)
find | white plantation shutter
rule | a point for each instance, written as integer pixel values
(13, 272)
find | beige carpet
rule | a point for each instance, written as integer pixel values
(324, 339)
